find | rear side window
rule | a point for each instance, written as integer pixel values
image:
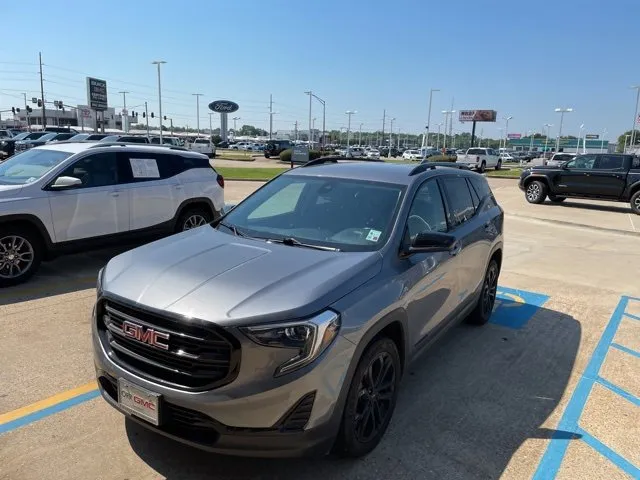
(635, 162)
(475, 151)
(609, 162)
(461, 207)
(145, 167)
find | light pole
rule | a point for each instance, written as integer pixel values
(310, 93)
(635, 116)
(579, 137)
(390, 137)
(562, 111)
(271, 114)
(197, 95)
(313, 135)
(324, 105)
(546, 140)
(500, 129)
(604, 133)
(531, 141)
(360, 135)
(349, 113)
(158, 63)
(446, 114)
(235, 119)
(438, 139)
(125, 121)
(211, 124)
(425, 140)
(506, 130)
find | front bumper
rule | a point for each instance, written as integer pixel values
(242, 418)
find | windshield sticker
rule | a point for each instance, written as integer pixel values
(373, 235)
(144, 168)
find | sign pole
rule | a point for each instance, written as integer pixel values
(473, 133)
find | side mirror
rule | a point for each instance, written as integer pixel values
(65, 183)
(431, 242)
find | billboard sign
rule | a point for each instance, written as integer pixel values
(514, 136)
(478, 115)
(97, 93)
(592, 136)
(224, 106)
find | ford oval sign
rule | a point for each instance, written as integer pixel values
(224, 106)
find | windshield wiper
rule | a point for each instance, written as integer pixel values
(233, 228)
(292, 242)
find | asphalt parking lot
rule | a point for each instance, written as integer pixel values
(549, 389)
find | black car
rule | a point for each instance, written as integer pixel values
(35, 139)
(384, 152)
(273, 148)
(606, 176)
(61, 130)
(8, 145)
(124, 139)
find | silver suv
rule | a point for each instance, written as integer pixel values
(284, 328)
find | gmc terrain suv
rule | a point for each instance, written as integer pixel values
(73, 196)
(284, 328)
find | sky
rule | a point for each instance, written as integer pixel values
(523, 59)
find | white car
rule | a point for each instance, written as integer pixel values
(480, 159)
(373, 153)
(204, 146)
(354, 152)
(559, 158)
(412, 155)
(507, 157)
(65, 197)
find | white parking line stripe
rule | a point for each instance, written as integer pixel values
(631, 221)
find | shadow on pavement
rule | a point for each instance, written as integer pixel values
(465, 407)
(66, 274)
(592, 206)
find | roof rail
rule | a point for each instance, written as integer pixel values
(321, 160)
(423, 167)
(108, 144)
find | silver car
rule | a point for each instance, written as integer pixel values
(285, 327)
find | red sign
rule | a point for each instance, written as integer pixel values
(514, 136)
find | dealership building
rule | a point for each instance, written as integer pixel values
(80, 116)
(569, 145)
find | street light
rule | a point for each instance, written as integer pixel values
(500, 129)
(158, 63)
(197, 95)
(506, 130)
(310, 93)
(349, 113)
(604, 133)
(425, 140)
(124, 111)
(579, 137)
(635, 116)
(562, 111)
(235, 119)
(390, 137)
(360, 135)
(324, 105)
(446, 114)
(313, 123)
(546, 140)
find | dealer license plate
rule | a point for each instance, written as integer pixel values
(139, 401)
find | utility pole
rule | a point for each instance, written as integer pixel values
(390, 138)
(635, 118)
(313, 130)
(125, 121)
(310, 93)
(270, 116)
(296, 130)
(146, 114)
(384, 119)
(235, 119)
(360, 136)
(197, 95)
(210, 125)
(44, 115)
(158, 63)
(349, 113)
(425, 140)
(26, 108)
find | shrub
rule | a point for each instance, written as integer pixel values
(442, 158)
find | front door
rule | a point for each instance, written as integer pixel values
(609, 178)
(98, 207)
(430, 279)
(576, 176)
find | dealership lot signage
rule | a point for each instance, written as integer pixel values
(478, 115)
(97, 93)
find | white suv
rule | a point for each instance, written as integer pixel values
(204, 146)
(74, 196)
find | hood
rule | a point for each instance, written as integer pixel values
(211, 275)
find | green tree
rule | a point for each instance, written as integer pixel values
(624, 140)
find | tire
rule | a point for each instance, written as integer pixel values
(483, 166)
(358, 436)
(635, 203)
(482, 312)
(499, 165)
(536, 192)
(555, 199)
(266, 155)
(27, 244)
(193, 218)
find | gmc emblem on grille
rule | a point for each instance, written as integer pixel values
(148, 335)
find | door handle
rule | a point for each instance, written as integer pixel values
(455, 250)
(178, 187)
(115, 194)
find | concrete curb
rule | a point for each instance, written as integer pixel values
(574, 225)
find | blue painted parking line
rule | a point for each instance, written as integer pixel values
(557, 448)
(514, 308)
(624, 349)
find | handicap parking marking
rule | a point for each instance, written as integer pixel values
(569, 422)
(514, 308)
(49, 406)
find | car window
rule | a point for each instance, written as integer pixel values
(635, 162)
(97, 170)
(474, 195)
(29, 166)
(475, 151)
(609, 162)
(584, 162)
(147, 167)
(481, 186)
(461, 207)
(427, 211)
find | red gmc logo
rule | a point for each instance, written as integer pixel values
(148, 335)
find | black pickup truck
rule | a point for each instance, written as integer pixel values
(603, 176)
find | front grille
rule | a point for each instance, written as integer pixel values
(199, 355)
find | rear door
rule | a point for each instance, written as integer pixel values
(609, 176)
(154, 191)
(469, 228)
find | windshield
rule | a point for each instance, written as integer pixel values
(21, 136)
(33, 136)
(29, 166)
(350, 215)
(80, 136)
(47, 137)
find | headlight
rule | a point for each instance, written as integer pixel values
(307, 339)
